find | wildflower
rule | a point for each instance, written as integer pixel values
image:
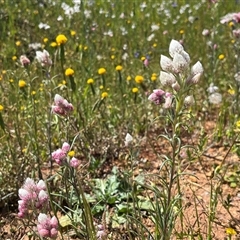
(1, 108)
(205, 32)
(181, 31)
(166, 63)
(139, 79)
(128, 139)
(215, 98)
(101, 232)
(146, 62)
(143, 58)
(231, 231)
(24, 60)
(74, 162)
(158, 96)
(45, 40)
(231, 91)
(119, 68)
(221, 57)
(189, 101)
(18, 43)
(101, 71)
(14, 58)
(62, 106)
(21, 83)
(135, 90)
(212, 88)
(167, 79)
(43, 57)
(66, 147)
(90, 81)
(33, 93)
(129, 78)
(154, 77)
(238, 124)
(73, 33)
(104, 95)
(69, 72)
(71, 153)
(47, 227)
(53, 44)
(61, 39)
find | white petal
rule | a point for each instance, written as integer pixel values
(175, 47)
(167, 79)
(197, 68)
(166, 63)
(179, 63)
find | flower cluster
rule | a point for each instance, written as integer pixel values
(176, 73)
(43, 58)
(47, 227)
(32, 196)
(60, 156)
(62, 107)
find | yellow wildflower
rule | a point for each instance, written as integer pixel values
(21, 83)
(69, 72)
(129, 78)
(1, 108)
(231, 231)
(14, 58)
(231, 91)
(154, 45)
(181, 31)
(90, 81)
(71, 153)
(143, 58)
(85, 48)
(45, 40)
(112, 57)
(61, 39)
(53, 44)
(221, 57)
(101, 87)
(33, 92)
(101, 71)
(135, 90)
(73, 33)
(18, 43)
(139, 79)
(104, 95)
(11, 80)
(119, 68)
(230, 24)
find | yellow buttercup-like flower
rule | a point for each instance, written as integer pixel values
(1, 108)
(71, 154)
(69, 72)
(231, 231)
(119, 68)
(221, 57)
(22, 83)
(73, 33)
(139, 79)
(101, 71)
(61, 39)
(90, 81)
(104, 94)
(53, 44)
(135, 90)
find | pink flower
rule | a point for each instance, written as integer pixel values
(43, 58)
(62, 106)
(66, 147)
(59, 154)
(24, 60)
(157, 96)
(74, 162)
(47, 227)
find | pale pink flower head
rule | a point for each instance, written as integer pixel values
(66, 147)
(62, 106)
(44, 58)
(41, 185)
(47, 227)
(24, 60)
(157, 96)
(74, 162)
(167, 79)
(128, 139)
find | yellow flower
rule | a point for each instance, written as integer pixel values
(153, 78)
(101, 87)
(53, 44)
(113, 49)
(139, 79)
(135, 90)
(230, 231)
(11, 80)
(4, 71)
(230, 24)
(1, 108)
(21, 83)
(85, 48)
(101, 71)
(90, 81)
(69, 72)
(154, 45)
(14, 58)
(231, 91)
(129, 78)
(112, 57)
(233, 41)
(71, 153)
(104, 95)
(221, 57)
(143, 58)
(73, 33)
(61, 39)
(119, 68)
(238, 124)
(18, 43)
(45, 40)
(33, 92)
(181, 31)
